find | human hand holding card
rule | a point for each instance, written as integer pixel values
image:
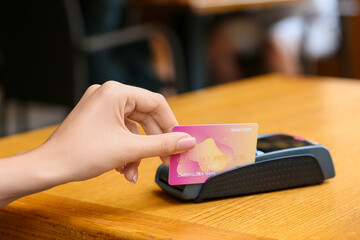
(219, 148)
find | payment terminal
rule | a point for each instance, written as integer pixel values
(282, 161)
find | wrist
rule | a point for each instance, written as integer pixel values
(50, 170)
(27, 173)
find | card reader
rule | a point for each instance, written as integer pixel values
(282, 161)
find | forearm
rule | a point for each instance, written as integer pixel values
(26, 173)
(99, 135)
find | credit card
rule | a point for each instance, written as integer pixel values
(220, 147)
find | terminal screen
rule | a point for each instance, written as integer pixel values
(281, 142)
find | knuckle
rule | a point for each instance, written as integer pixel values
(160, 98)
(111, 89)
(92, 88)
(165, 148)
(111, 84)
(159, 101)
(144, 119)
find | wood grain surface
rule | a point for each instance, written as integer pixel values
(325, 110)
(216, 6)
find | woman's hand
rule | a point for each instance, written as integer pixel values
(99, 135)
(102, 133)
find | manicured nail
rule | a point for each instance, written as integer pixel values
(186, 143)
(135, 178)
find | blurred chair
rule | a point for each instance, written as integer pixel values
(46, 52)
(350, 54)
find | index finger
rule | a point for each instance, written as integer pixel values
(142, 103)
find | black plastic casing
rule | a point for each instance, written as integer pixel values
(289, 168)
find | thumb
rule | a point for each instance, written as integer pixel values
(164, 144)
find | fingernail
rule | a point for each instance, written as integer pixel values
(120, 169)
(186, 143)
(134, 180)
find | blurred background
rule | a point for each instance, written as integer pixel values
(52, 50)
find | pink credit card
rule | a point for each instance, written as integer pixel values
(220, 147)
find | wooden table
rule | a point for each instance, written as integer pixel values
(323, 109)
